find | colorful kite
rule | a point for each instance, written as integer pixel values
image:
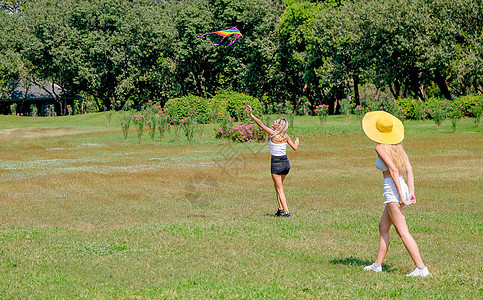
(224, 34)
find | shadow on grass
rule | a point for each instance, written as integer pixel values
(360, 262)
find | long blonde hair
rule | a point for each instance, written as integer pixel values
(280, 134)
(396, 154)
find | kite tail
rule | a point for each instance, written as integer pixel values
(238, 36)
(220, 42)
(205, 34)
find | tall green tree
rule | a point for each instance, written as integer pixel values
(11, 6)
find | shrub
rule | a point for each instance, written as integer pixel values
(91, 107)
(69, 110)
(358, 110)
(323, 112)
(178, 108)
(50, 111)
(234, 103)
(124, 120)
(34, 111)
(225, 130)
(345, 108)
(216, 108)
(13, 109)
(304, 109)
(455, 112)
(247, 132)
(139, 121)
(476, 111)
(437, 110)
(415, 109)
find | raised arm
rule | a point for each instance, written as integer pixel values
(393, 171)
(258, 122)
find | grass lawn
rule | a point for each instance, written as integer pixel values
(86, 214)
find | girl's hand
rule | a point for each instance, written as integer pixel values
(412, 199)
(297, 142)
(402, 203)
(249, 109)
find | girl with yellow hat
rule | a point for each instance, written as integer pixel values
(388, 132)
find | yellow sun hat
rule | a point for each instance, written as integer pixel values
(382, 127)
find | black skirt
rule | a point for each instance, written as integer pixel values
(280, 165)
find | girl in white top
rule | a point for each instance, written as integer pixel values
(388, 132)
(280, 165)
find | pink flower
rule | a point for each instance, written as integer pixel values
(148, 122)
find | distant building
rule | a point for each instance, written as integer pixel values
(25, 95)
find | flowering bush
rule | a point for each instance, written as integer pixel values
(13, 109)
(90, 107)
(163, 122)
(323, 112)
(248, 132)
(138, 120)
(437, 110)
(50, 111)
(455, 113)
(109, 117)
(225, 130)
(151, 123)
(417, 110)
(304, 109)
(69, 110)
(34, 110)
(477, 110)
(345, 108)
(179, 108)
(128, 105)
(216, 108)
(359, 111)
(191, 123)
(125, 121)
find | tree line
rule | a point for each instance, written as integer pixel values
(291, 50)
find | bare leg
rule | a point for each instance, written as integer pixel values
(397, 218)
(280, 207)
(384, 226)
(278, 184)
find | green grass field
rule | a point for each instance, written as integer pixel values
(85, 214)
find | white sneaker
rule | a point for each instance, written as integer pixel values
(419, 273)
(374, 268)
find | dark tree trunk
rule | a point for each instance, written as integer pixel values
(443, 87)
(356, 90)
(396, 90)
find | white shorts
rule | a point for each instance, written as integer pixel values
(390, 191)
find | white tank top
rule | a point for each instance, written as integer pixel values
(277, 149)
